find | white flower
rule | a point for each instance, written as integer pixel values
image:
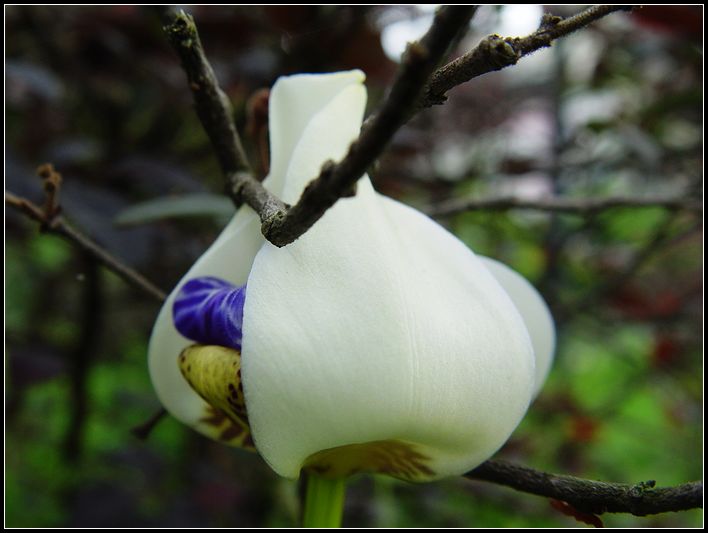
(376, 341)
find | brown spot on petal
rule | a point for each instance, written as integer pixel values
(214, 417)
(231, 432)
(395, 458)
(248, 442)
(234, 433)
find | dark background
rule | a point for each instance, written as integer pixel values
(612, 110)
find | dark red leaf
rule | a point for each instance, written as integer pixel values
(569, 510)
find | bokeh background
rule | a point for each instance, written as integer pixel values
(615, 109)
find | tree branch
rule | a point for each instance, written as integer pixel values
(214, 111)
(662, 238)
(50, 221)
(575, 206)
(142, 431)
(59, 226)
(282, 224)
(594, 497)
(495, 52)
(212, 105)
(338, 180)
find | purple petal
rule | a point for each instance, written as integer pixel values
(210, 311)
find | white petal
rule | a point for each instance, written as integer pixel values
(294, 101)
(378, 324)
(535, 313)
(335, 127)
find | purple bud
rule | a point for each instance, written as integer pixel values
(210, 311)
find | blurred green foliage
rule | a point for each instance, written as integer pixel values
(612, 110)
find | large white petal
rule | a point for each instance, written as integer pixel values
(378, 324)
(535, 313)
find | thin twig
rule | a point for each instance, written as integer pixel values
(142, 431)
(575, 206)
(589, 496)
(212, 105)
(59, 226)
(495, 52)
(214, 111)
(662, 238)
(338, 180)
(50, 222)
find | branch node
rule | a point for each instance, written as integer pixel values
(490, 56)
(501, 51)
(416, 52)
(234, 187)
(51, 184)
(271, 224)
(549, 21)
(640, 489)
(182, 26)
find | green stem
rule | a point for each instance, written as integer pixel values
(324, 502)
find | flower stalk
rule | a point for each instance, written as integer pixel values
(324, 501)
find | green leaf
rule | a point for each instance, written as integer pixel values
(188, 205)
(50, 252)
(633, 225)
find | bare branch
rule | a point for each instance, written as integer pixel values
(210, 102)
(338, 180)
(143, 430)
(214, 111)
(495, 52)
(589, 496)
(662, 238)
(574, 206)
(59, 226)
